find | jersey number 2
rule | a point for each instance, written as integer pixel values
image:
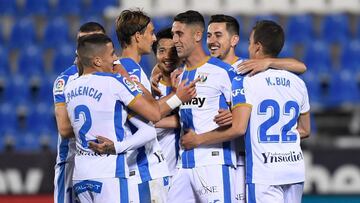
(264, 137)
(84, 110)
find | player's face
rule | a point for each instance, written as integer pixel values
(252, 46)
(166, 55)
(147, 39)
(184, 38)
(218, 40)
(108, 58)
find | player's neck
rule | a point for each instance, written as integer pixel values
(197, 57)
(131, 52)
(166, 77)
(230, 57)
(90, 70)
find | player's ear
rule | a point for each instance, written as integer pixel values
(137, 36)
(258, 48)
(97, 61)
(234, 40)
(198, 33)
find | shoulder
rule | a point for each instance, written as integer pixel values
(127, 62)
(64, 76)
(219, 63)
(116, 79)
(223, 67)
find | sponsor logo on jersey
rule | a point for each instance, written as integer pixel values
(80, 152)
(194, 102)
(275, 157)
(133, 71)
(240, 196)
(203, 77)
(206, 190)
(238, 91)
(59, 86)
(237, 78)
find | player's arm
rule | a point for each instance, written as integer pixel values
(145, 133)
(304, 126)
(169, 122)
(63, 121)
(240, 119)
(145, 108)
(253, 66)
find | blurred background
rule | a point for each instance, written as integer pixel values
(37, 43)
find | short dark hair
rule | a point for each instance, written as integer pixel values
(89, 46)
(92, 27)
(191, 17)
(128, 23)
(232, 25)
(270, 35)
(162, 34)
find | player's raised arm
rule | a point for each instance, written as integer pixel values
(145, 108)
(253, 66)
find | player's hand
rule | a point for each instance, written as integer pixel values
(190, 140)
(140, 86)
(187, 92)
(174, 76)
(224, 118)
(155, 79)
(104, 146)
(253, 66)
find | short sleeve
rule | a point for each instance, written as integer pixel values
(125, 90)
(238, 96)
(59, 89)
(305, 105)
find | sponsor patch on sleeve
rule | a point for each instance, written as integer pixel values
(59, 86)
(131, 85)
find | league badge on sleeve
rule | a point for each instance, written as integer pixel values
(59, 86)
(131, 85)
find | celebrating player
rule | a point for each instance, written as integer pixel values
(64, 167)
(207, 172)
(96, 103)
(222, 38)
(272, 110)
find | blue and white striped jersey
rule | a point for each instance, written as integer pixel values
(96, 105)
(168, 137)
(213, 93)
(272, 142)
(147, 162)
(65, 147)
